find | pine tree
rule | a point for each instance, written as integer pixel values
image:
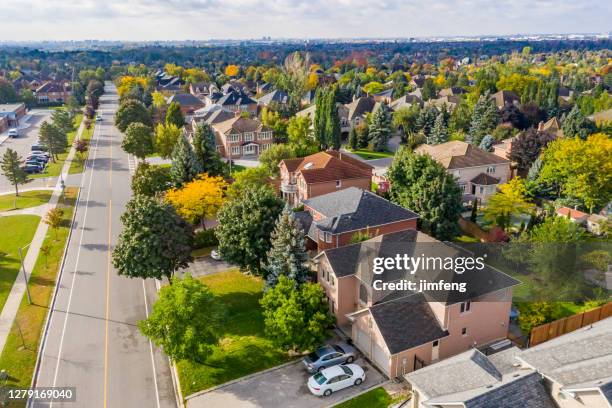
(486, 143)
(426, 120)
(288, 255)
(204, 149)
(11, 169)
(320, 119)
(439, 132)
(352, 139)
(185, 164)
(53, 138)
(332, 125)
(380, 127)
(484, 119)
(576, 124)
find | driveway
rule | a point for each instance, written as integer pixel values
(283, 386)
(205, 266)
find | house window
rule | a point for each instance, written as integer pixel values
(462, 186)
(481, 189)
(491, 169)
(327, 237)
(235, 137)
(435, 343)
(331, 279)
(248, 137)
(264, 146)
(465, 306)
(265, 135)
(338, 183)
(363, 294)
(464, 331)
(235, 150)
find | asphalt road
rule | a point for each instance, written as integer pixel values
(93, 342)
(22, 144)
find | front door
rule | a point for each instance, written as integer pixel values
(250, 150)
(435, 350)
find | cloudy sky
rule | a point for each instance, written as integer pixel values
(205, 19)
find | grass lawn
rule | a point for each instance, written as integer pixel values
(78, 163)
(19, 359)
(26, 199)
(22, 229)
(53, 168)
(243, 349)
(202, 252)
(466, 239)
(371, 155)
(376, 398)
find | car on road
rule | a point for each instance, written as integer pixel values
(98, 118)
(13, 132)
(335, 378)
(329, 355)
(215, 254)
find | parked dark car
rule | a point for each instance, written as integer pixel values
(31, 168)
(39, 148)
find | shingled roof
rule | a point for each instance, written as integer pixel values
(483, 179)
(235, 98)
(328, 166)
(276, 96)
(360, 107)
(240, 125)
(186, 99)
(458, 155)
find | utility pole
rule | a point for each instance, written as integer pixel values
(25, 275)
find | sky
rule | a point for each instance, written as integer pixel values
(142, 20)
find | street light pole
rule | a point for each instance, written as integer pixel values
(25, 275)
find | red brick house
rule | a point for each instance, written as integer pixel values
(242, 137)
(52, 92)
(322, 173)
(335, 219)
(188, 102)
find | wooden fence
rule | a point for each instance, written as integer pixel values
(549, 331)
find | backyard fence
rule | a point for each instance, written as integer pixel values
(549, 331)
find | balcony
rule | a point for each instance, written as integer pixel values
(288, 187)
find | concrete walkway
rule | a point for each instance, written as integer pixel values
(39, 210)
(19, 286)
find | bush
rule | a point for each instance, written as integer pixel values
(205, 238)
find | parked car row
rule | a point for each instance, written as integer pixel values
(333, 368)
(36, 160)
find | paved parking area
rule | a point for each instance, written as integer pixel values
(204, 266)
(284, 386)
(28, 135)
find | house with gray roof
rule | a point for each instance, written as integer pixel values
(275, 98)
(402, 329)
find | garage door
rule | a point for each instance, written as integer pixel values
(363, 342)
(380, 358)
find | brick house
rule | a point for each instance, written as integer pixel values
(478, 172)
(334, 219)
(188, 102)
(322, 173)
(239, 137)
(52, 92)
(235, 101)
(401, 331)
(12, 112)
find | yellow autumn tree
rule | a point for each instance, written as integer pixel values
(231, 70)
(199, 199)
(127, 82)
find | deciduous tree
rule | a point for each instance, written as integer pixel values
(131, 111)
(150, 180)
(165, 139)
(174, 116)
(199, 199)
(138, 140)
(509, 201)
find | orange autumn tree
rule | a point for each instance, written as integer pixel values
(231, 70)
(199, 199)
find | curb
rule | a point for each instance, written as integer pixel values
(246, 377)
(359, 394)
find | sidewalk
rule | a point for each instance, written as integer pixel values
(19, 286)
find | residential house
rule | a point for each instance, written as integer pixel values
(384, 96)
(275, 98)
(478, 172)
(52, 92)
(242, 137)
(565, 94)
(450, 101)
(504, 147)
(596, 224)
(4, 125)
(602, 117)
(12, 112)
(212, 114)
(503, 98)
(334, 219)
(199, 90)
(405, 101)
(358, 109)
(402, 330)
(576, 216)
(576, 367)
(343, 112)
(188, 102)
(264, 87)
(551, 126)
(168, 84)
(237, 102)
(308, 98)
(321, 173)
(474, 380)
(452, 91)
(417, 81)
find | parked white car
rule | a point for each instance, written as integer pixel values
(13, 132)
(335, 378)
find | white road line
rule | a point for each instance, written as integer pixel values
(144, 290)
(67, 313)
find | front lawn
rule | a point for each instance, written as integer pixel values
(243, 349)
(371, 155)
(26, 199)
(22, 229)
(78, 162)
(376, 398)
(19, 356)
(53, 169)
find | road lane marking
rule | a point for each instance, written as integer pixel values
(108, 268)
(144, 290)
(76, 264)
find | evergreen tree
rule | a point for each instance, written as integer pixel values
(62, 119)
(174, 115)
(484, 119)
(426, 120)
(53, 138)
(552, 101)
(332, 125)
(204, 148)
(185, 164)
(380, 127)
(288, 255)
(439, 132)
(11, 169)
(319, 121)
(576, 124)
(363, 135)
(353, 142)
(486, 143)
